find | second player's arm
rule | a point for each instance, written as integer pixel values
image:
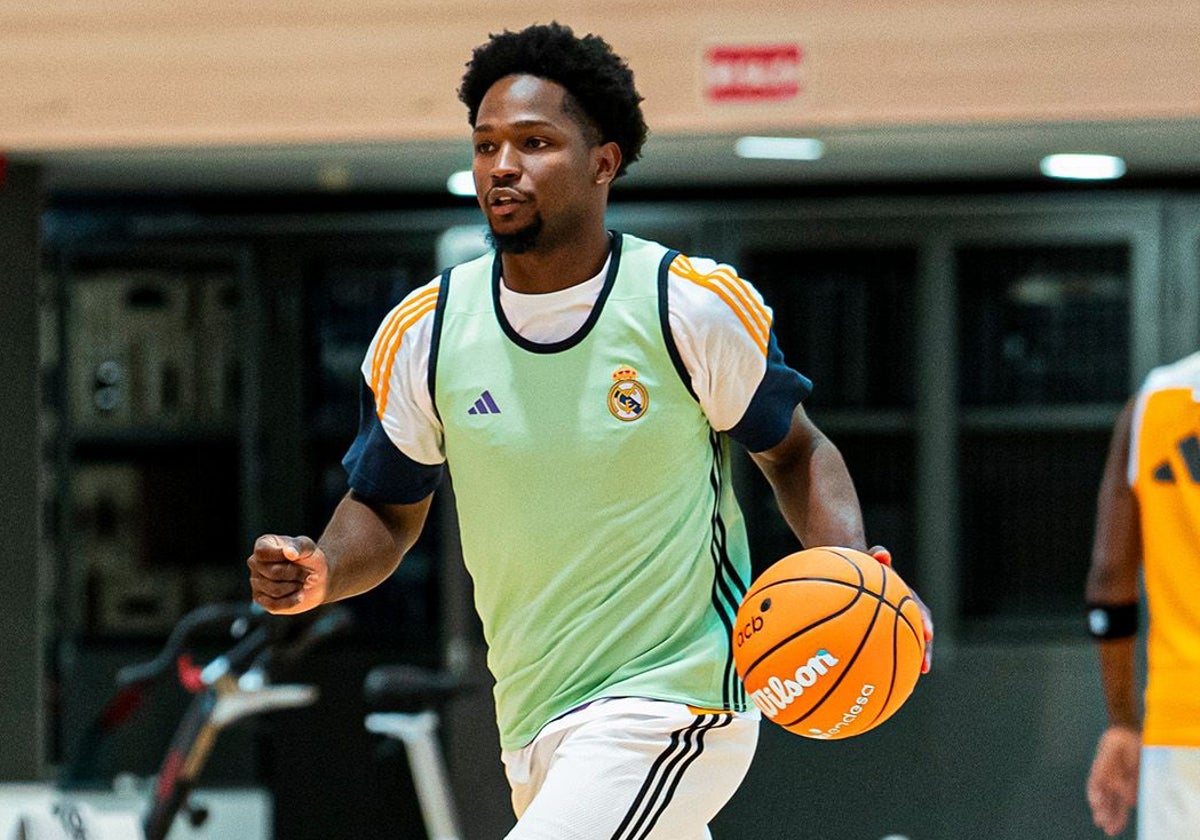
(1113, 576)
(1113, 582)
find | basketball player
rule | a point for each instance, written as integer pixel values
(1149, 520)
(583, 387)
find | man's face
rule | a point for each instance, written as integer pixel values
(538, 175)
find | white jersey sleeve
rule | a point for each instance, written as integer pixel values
(396, 369)
(722, 330)
(397, 456)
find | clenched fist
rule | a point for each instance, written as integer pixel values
(288, 574)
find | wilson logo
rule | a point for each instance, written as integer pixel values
(779, 693)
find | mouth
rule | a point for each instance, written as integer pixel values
(504, 200)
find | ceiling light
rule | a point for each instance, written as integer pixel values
(333, 177)
(1083, 167)
(461, 183)
(779, 148)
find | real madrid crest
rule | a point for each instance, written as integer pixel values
(627, 398)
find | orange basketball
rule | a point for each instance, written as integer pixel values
(829, 642)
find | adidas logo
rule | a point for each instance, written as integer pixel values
(1189, 450)
(484, 405)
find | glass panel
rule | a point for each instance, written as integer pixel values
(1044, 325)
(153, 349)
(844, 318)
(883, 469)
(349, 296)
(1028, 510)
(135, 511)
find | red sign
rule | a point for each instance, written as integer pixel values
(752, 73)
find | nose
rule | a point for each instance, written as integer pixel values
(506, 165)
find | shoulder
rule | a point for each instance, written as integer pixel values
(416, 301)
(1182, 373)
(702, 289)
(409, 322)
(416, 306)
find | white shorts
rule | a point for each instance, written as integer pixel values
(1169, 794)
(629, 769)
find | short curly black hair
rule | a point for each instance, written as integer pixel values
(599, 81)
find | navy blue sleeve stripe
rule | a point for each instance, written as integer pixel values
(377, 469)
(769, 414)
(664, 320)
(436, 339)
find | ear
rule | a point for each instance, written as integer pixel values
(607, 160)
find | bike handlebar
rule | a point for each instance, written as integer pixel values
(262, 640)
(203, 617)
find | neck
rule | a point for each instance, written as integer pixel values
(552, 268)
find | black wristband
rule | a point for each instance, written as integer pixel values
(1112, 621)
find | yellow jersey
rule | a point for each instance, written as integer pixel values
(1164, 473)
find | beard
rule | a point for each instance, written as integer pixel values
(519, 241)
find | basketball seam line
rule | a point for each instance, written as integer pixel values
(892, 682)
(797, 634)
(857, 652)
(861, 588)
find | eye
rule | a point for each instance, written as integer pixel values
(484, 147)
(536, 143)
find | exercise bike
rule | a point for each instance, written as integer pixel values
(231, 687)
(408, 701)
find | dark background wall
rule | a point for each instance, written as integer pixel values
(21, 656)
(978, 467)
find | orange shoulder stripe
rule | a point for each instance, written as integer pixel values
(388, 333)
(744, 293)
(730, 288)
(381, 395)
(382, 380)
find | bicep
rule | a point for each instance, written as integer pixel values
(403, 521)
(369, 528)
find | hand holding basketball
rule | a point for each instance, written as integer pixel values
(287, 574)
(884, 556)
(829, 642)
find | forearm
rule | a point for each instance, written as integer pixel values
(1117, 679)
(363, 545)
(1112, 581)
(1113, 576)
(816, 496)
